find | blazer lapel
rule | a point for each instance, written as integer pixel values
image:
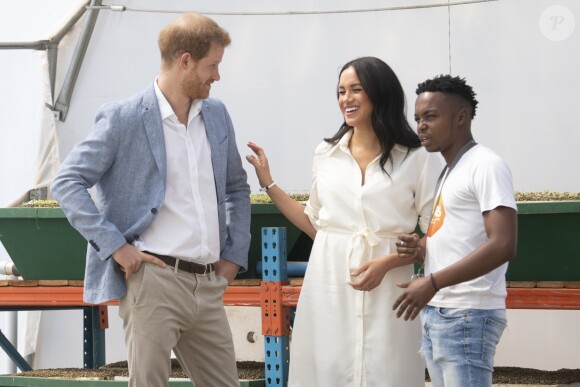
(154, 129)
(212, 134)
(216, 138)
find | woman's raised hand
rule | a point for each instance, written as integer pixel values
(260, 163)
(291, 209)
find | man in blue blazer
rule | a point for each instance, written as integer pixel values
(169, 226)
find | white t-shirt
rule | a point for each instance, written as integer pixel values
(481, 181)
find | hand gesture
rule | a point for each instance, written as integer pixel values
(417, 294)
(226, 269)
(260, 163)
(372, 273)
(409, 247)
(130, 259)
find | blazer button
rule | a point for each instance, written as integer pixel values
(95, 246)
(154, 211)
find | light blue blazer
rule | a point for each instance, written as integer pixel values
(124, 159)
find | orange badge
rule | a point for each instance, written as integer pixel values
(438, 219)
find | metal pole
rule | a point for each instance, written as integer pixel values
(62, 103)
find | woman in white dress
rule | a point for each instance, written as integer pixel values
(371, 182)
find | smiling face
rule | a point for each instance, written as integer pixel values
(354, 103)
(200, 74)
(442, 123)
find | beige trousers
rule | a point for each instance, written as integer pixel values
(166, 309)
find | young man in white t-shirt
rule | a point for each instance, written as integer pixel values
(471, 238)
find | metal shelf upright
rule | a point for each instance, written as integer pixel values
(275, 316)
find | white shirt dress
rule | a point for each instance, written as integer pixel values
(345, 337)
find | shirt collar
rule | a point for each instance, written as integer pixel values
(164, 106)
(167, 111)
(342, 144)
(194, 109)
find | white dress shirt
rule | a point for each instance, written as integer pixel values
(186, 226)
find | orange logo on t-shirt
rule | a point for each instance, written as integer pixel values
(437, 219)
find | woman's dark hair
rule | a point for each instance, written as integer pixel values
(388, 118)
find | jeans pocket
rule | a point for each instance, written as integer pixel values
(451, 313)
(492, 330)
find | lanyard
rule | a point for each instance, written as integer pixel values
(446, 171)
(442, 177)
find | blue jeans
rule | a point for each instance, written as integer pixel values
(459, 345)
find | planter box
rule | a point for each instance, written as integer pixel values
(43, 245)
(548, 248)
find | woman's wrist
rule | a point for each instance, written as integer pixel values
(265, 188)
(392, 261)
(398, 261)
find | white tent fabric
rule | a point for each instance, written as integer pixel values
(286, 59)
(33, 20)
(23, 98)
(28, 146)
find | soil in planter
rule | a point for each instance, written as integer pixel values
(249, 370)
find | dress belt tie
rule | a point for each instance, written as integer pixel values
(359, 247)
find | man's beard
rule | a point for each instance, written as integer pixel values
(194, 88)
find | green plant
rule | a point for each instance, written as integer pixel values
(265, 199)
(40, 204)
(547, 196)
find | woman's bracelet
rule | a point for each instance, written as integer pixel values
(266, 188)
(433, 282)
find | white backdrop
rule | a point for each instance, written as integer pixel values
(279, 75)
